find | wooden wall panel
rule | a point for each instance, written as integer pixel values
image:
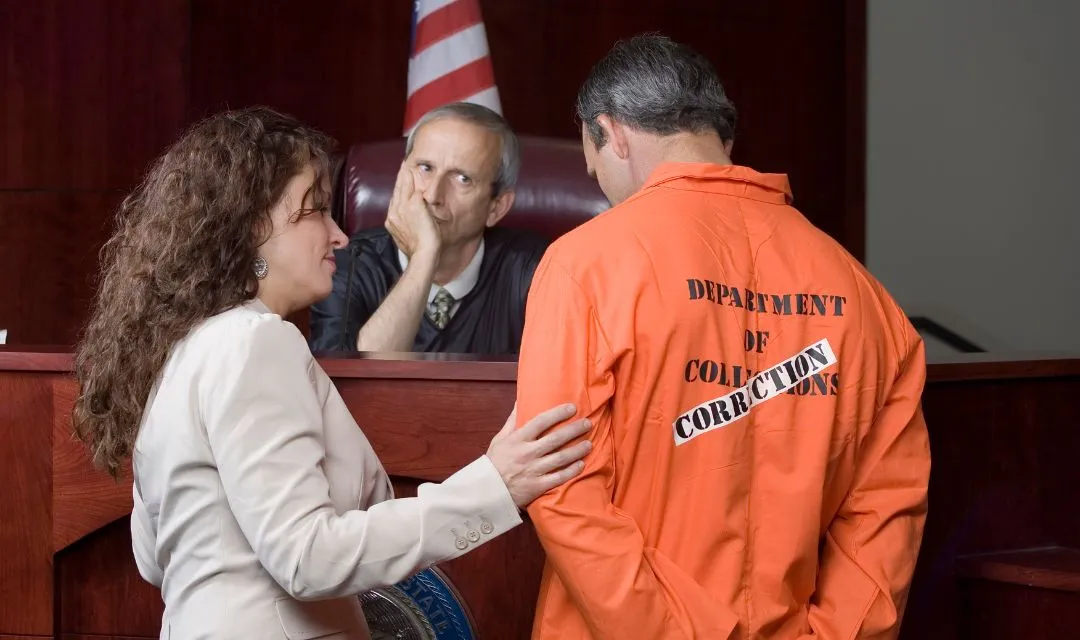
(340, 65)
(1002, 435)
(83, 636)
(94, 90)
(409, 428)
(83, 497)
(782, 63)
(785, 65)
(1003, 478)
(100, 589)
(25, 499)
(1001, 611)
(49, 243)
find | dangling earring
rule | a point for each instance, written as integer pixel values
(262, 267)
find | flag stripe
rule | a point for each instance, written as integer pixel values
(457, 85)
(424, 8)
(445, 22)
(445, 56)
(488, 98)
(449, 59)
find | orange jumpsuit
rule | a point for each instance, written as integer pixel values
(761, 461)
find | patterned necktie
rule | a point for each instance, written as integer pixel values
(439, 309)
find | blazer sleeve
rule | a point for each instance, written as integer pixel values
(263, 422)
(143, 541)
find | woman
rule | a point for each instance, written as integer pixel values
(260, 508)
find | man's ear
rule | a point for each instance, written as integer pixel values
(728, 144)
(500, 206)
(615, 133)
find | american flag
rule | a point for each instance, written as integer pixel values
(448, 59)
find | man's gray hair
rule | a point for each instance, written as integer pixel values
(510, 157)
(654, 84)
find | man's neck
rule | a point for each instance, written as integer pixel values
(453, 259)
(687, 147)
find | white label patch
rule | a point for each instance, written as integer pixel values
(716, 414)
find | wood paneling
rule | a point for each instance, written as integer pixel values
(1000, 611)
(84, 499)
(969, 367)
(787, 66)
(25, 553)
(433, 438)
(93, 90)
(44, 359)
(1056, 568)
(340, 65)
(49, 241)
(1004, 478)
(100, 589)
(82, 636)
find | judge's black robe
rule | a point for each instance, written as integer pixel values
(489, 320)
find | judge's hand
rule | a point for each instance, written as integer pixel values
(532, 462)
(409, 219)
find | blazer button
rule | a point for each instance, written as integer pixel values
(473, 535)
(461, 544)
(486, 528)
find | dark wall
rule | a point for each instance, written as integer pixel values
(95, 89)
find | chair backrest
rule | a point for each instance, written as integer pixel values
(554, 194)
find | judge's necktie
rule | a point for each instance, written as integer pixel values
(439, 309)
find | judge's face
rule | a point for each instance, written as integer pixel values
(454, 164)
(300, 250)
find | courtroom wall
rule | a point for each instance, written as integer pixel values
(972, 166)
(93, 90)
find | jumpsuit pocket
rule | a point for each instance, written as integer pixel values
(843, 596)
(697, 614)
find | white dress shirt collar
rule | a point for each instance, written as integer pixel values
(460, 286)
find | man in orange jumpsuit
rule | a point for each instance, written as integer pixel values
(760, 459)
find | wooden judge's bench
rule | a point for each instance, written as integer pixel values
(997, 561)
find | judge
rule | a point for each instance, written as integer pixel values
(440, 277)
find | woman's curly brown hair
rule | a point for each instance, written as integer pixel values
(184, 250)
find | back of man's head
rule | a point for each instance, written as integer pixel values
(656, 85)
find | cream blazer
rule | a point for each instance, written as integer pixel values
(261, 510)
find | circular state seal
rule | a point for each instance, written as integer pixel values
(423, 607)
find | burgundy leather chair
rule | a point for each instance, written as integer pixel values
(554, 194)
